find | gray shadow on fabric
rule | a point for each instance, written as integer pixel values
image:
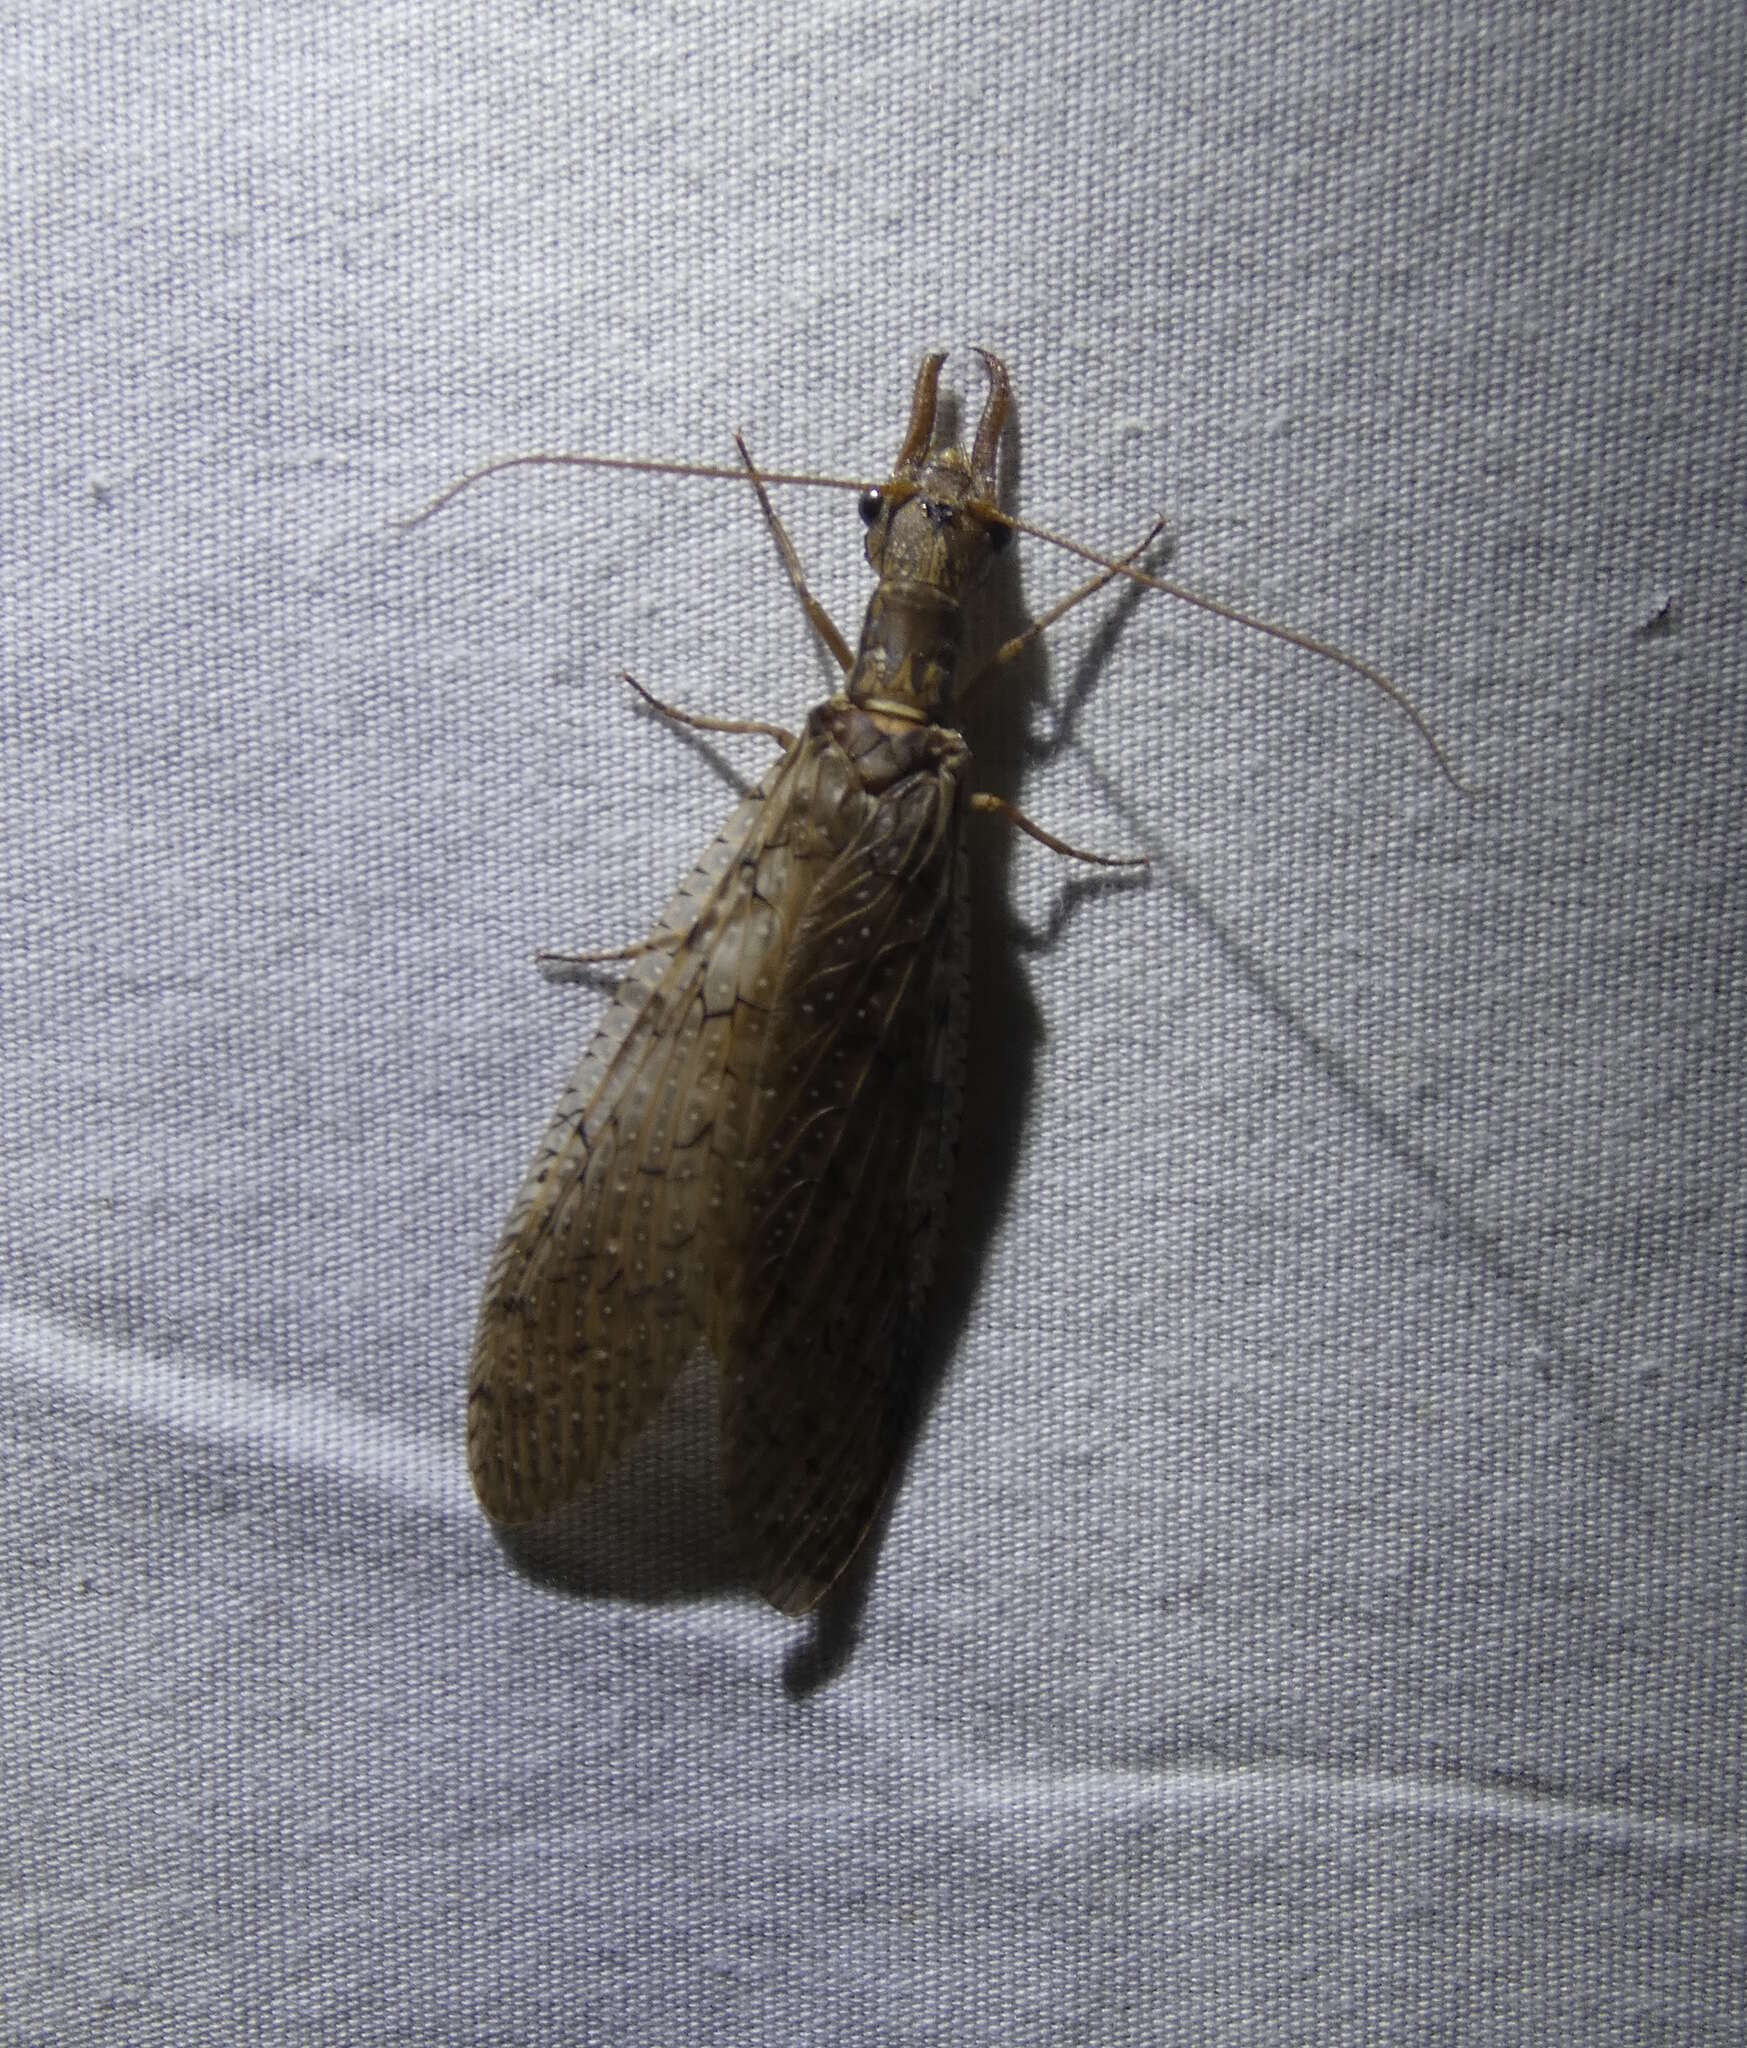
(1558, 1361)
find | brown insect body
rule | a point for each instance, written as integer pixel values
(755, 1149)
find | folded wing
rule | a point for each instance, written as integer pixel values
(600, 1286)
(854, 1120)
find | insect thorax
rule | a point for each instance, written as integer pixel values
(908, 657)
(884, 753)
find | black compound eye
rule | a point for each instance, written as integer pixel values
(1000, 537)
(871, 501)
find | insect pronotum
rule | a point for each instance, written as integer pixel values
(754, 1152)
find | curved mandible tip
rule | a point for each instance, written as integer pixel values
(996, 407)
(919, 435)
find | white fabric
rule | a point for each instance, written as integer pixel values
(1317, 1605)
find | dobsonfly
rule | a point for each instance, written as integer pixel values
(755, 1151)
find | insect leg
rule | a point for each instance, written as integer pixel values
(700, 722)
(1011, 649)
(562, 966)
(981, 800)
(818, 617)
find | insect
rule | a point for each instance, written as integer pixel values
(754, 1152)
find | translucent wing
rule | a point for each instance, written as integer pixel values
(601, 1284)
(854, 1120)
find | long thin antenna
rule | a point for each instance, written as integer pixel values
(807, 480)
(1272, 627)
(711, 471)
